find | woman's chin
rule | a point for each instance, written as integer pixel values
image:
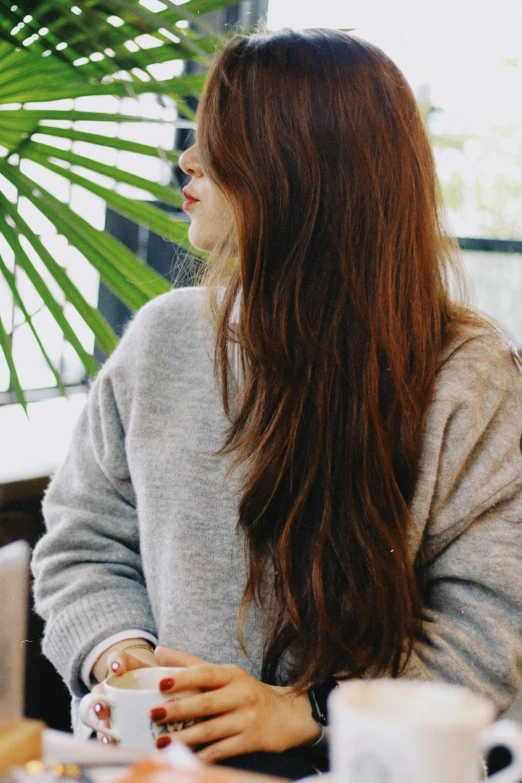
(200, 240)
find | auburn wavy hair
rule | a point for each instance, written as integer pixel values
(341, 275)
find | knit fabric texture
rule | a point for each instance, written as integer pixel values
(142, 520)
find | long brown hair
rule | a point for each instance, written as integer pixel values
(317, 140)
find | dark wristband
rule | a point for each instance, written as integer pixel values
(318, 696)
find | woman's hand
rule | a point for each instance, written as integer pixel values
(242, 715)
(116, 662)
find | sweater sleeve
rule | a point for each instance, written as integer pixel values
(87, 567)
(470, 494)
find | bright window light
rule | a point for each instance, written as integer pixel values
(168, 35)
(120, 76)
(132, 46)
(61, 46)
(164, 71)
(153, 5)
(147, 41)
(76, 10)
(116, 21)
(81, 61)
(143, 75)
(96, 57)
(43, 31)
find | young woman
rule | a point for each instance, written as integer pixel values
(331, 460)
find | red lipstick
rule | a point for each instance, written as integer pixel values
(190, 200)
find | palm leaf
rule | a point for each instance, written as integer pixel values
(106, 337)
(46, 296)
(154, 219)
(51, 51)
(41, 153)
(5, 345)
(10, 278)
(133, 281)
(107, 141)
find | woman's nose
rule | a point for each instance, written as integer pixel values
(189, 162)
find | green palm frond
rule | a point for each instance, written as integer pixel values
(53, 53)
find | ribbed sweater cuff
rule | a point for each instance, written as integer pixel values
(72, 634)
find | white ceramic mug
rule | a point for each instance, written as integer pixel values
(407, 731)
(131, 696)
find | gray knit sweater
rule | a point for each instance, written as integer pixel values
(141, 521)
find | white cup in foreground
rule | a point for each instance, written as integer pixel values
(406, 731)
(131, 696)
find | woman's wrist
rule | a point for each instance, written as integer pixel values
(142, 649)
(300, 728)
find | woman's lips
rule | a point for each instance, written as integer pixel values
(189, 200)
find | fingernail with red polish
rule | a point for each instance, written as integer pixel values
(115, 666)
(98, 708)
(162, 742)
(158, 713)
(166, 684)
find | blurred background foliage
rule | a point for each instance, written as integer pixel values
(142, 63)
(486, 175)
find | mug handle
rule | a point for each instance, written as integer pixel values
(86, 705)
(508, 734)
